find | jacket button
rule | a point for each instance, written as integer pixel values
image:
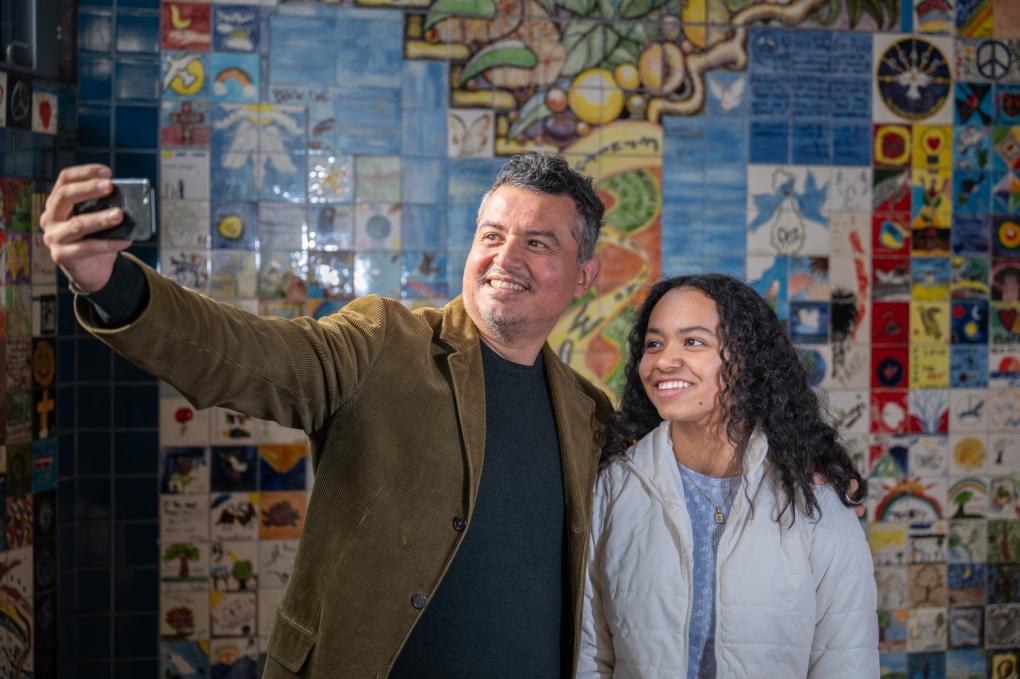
(459, 523)
(419, 601)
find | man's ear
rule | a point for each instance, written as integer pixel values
(588, 274)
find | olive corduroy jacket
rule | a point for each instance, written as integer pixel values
(393, 402)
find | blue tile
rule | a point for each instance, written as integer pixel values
(84, 157)
(136, 452)
(65, 406)
(138, 33)
(95, 31)
(470, 178)
(423, 180)
(851, 53)
(769, 142)
(770, 94)
(136, 668)
(94, 452)
(65, 455)
(423, 132)
(67, 116)
(136, 165)
(368, 121)
(810, 98)
(93, 502)
(93, 405)
(727, 94)
(812, 143)
(424, 84)
(726, 142)
(94, 641)
(369, 48)
(810, 52)
(236, 28)
(850, 97)
(136, 406)
(94, 78)
(137, 78)
(137, 544)
(135, 635)
(424, 227)
(94, 590)
(138, 4)
(65, 516)
(65, 360)
(93, 360)
(137, 498)
(769, 50)
(461, 222)
(136, 127)
(148, 253)
(93, 544)
(136, 590)
(851, 143)
(302, 50)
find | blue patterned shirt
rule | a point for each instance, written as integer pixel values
(701, 634)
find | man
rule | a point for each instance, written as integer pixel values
(454, 453)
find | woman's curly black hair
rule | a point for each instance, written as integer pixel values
(764, 386)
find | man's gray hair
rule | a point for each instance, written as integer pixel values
(547, 173)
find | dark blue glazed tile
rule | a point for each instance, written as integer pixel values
(851, 143)
(136, 590)
(95, 75)
(137, 498)
(136, 127)
(138, 4)
(135, 635)
(65, 512)
(369, 48)
(94, 590)
(136, 165)
(94, 452)
(148, 253)
(138, 33)
(95, 31)
(83, 157)
(137, 78)
(126, 371)
(93, 405)
(137, 544)
(136, 668)
(94, 499)
(769, 141)
(136, 406)
(93, 544)
(65, 454)
(94, 643)
(136, 452)
(93, 360)
(94, 126)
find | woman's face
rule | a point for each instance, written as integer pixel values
(680, 366)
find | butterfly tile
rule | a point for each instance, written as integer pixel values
(470, 133)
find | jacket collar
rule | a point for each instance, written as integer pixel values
(652, 460)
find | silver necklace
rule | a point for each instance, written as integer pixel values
(718, 515)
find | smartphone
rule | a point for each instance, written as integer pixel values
(137, 199)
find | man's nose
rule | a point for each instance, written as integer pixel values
(510, 254)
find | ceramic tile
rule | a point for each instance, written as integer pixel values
(235, 28)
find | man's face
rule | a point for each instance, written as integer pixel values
(522, 270)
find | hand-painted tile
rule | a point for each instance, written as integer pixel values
(184, 175)
(185, 122)
(235, 28)
(282, 176)
(423, 275)
(183, 470)
(377, 226)
(377, 272)
(470, 133)
(233, 274)
(769, 50)
(184, 74)
(302, 50)
(377, 179)
(184, 224)
(184, 621)
(897, 97)
(330, 276)
(234, 225)
(234, 515)
(970, 322)
(186, 26)
(184, 518)
(234, 657)
(369, 48)
(190, 268)
(281, 226)
(282, 514)
(1005, 236)
(785, 210)
(769, 277)
(235, 77)
(331, 227)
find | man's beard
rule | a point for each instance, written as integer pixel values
(504, 327)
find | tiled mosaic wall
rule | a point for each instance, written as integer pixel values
(857, 161)
(30, 113)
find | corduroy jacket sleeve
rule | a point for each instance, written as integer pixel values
(295, 372)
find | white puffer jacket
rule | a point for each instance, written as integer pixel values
(791, 602)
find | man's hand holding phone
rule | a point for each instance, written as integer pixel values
(70, 235)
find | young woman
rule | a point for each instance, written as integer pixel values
(712, 552)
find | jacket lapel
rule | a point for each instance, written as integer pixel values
(460, 338)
